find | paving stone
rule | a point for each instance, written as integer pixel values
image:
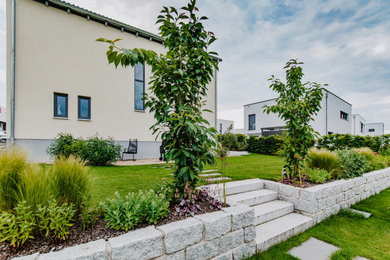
(242, 216)
(143, 243)
(365, 214)
(212, 179)
(313, 249)
(92, 250)
(203, 250)
(209, 174)
(216, 224)
(360, 258)
(209, 171)
(244, 251)
(180, 234)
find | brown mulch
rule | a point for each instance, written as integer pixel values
(78, 236)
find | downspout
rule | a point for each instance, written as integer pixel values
(216, 100)
(12, 116)
(326, 114)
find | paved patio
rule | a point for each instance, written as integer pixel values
(139, 162)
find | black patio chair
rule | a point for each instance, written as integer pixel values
(132, 149)
(162, 151)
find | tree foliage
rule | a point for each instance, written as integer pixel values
(178, 88)
(297, 105)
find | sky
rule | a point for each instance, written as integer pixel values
(345, 44)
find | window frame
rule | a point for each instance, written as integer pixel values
(371, 130)
(342, 113)
(143, 85)
(55, 95)
(79, 98)
(249, 122)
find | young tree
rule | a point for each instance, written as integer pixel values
(178, 88)
(297, 105)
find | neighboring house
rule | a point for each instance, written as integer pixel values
(239, 131)
(3, 118)
(359, 125)
(63, 83)
(334, 117)
(224, 125)
(375, 129)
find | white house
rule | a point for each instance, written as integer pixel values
(375, 129)
(359, 125)
(334, 117)
(3, 118)
(224, 125)
(57, 72)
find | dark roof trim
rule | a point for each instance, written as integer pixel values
(73, 9)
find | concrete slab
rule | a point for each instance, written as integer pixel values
(270, 210)
(365, 214)
(209, 174)
(252, 197)
(206, 171)
(314, 249)
(215, 179)
(360, 258)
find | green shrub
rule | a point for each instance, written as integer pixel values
(54, 221)
(71, 182)
(265, 145)
(352, 164)
(63, 145)
(233, 142)
(17, 227)
(318, 175)
(13, 164)
(153, 206)
(366, 152)
(322, 159)
(99, 152)
(343, 141)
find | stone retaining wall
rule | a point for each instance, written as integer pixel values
(324, 200)
(225, 234)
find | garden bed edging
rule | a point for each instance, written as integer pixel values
(324, 200)
(225, 234)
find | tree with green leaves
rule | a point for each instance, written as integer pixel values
(297, 105)
(178, 88)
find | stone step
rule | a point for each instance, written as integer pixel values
(216, 179)
(252, 197)
(236, 187)
(206, 171)
(280, 229)
(272, 210)
(209, 174)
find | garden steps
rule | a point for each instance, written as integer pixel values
(236, 187)
(271, 210)
(209, 174)
(252, 197)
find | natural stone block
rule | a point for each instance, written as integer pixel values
(231, 240)
(226, 256)
(175, 256)
(249, 233)
(302, 205)
(289, 191)
(203, 250)
(308, 195)
(245, 251)
(242, 216)
(180, 234)
(91, 250)
(272, 185)
(359, 181)
(143, 243)
(216, 224)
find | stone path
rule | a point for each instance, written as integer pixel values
(314, 249)
(365, 214)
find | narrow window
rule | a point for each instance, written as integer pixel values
(139, 86)
(343, 115)
(84, 107)
(252, 122)
(362, 127)
(220, 128)
(60, 105)
(371, 130)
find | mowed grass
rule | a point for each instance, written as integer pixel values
(124, 179)
(355, 235)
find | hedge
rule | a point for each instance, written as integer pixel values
(341, 141)
(265, 145)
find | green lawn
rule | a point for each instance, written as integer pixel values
(356, 236)
(124, 179)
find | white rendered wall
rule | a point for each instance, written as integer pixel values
(378, 129)
(3, 115)
(357, 119)
(223, 125)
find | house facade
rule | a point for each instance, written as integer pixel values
(224, 125)
(334, 117)
(3, 118)
(375, 129)
(61, 75)
(359, 125)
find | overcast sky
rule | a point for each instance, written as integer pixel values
(345, 44)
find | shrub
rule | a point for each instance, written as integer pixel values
(318, 175)
(54, 221)
(322, 159)
(71, 182)
(265, 145)
(99, 152)
(13, 164)
(343, 141)
(233, 142)
(63, 145)
(17, 227)
(352, 164)
(153, 206)
(366, 152)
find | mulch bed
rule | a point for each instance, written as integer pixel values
(77, 236)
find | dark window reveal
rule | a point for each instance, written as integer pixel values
(84, 108)
(252, 122)
(344, 115)
(139, 86)
(60, 105)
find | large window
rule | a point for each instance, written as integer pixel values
(84, 107)
(252, 122)
(139, 86)
(60, 105)
(343, 115)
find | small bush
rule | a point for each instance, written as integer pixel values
(366, 152)
(13, 164)
(153, 206)
(54, 221)
(322, 159)
(318, 175)
(100, 152)
(71, 182)
(63, 145)
(265, 145)
(17, 228)
(352, 164)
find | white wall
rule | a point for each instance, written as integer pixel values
(357, 121)
(376, 129)
(322, 124)
(3, 114)
(223, 125)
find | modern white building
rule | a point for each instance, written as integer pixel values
(359, 125)
(59, 79)
(375, 129)
(334, 117)
(3, 118)
(224, 125)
